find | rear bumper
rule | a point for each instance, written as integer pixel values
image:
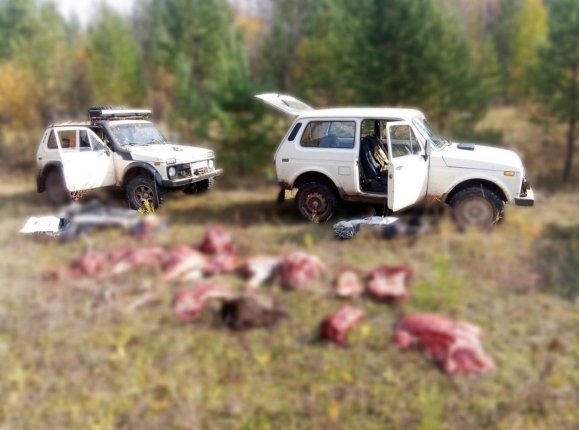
(181, 182)
(529, 200)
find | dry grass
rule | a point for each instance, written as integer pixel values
(73, 357)
(541, 144)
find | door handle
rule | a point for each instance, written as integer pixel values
(399, 167)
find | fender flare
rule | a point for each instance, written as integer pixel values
(320, 173)
(141, 165)
(41, 175)
(458, 184)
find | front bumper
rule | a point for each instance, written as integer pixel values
(175, 183)
(529, 200)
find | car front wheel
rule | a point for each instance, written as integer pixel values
(143, 192)
(478, 207)
(316, 202)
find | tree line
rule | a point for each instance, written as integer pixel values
(198, 63)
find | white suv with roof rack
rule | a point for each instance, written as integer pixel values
(119, 147)
(391, 156)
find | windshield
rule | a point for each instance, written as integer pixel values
(137, 133)
(427, 131)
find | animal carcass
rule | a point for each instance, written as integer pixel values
(298, 269)
(390, 283)
(336, 326)
(455, 346)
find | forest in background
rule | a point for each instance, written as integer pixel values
(198, 63)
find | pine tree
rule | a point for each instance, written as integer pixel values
(531, 32)
(199, 67)
(290, 25)
(34, 37)
(557, 73)
(114, 61)
(410, 53)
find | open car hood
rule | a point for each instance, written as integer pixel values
(287, 104)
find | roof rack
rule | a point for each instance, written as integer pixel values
(98, 114)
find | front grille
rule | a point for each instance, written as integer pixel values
(184, 171)
(201, 171)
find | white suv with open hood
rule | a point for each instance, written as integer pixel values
(119, 147)
(379, 155)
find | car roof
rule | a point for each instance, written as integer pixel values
(90, 124)
(355, 112)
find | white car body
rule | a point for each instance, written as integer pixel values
(430, 170)
(89, 156)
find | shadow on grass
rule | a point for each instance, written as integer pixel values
(256, 212)
(32, 203)
(558, 261)
(24, 201)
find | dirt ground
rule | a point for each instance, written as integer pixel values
(109, 354)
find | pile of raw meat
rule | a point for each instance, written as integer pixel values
(454, 346)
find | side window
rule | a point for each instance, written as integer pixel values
(329, 134)
(416, 148)
(294, 132)
(345, 132)
(51, 144)
(403, 141)
(101, 135)
(84, 142)
(67, 139)
(96, 142)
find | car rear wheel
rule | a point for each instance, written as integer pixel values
(316, 202)
(478, 207)
(55, 187)
(143, 192)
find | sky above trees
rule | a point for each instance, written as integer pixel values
(85, 9)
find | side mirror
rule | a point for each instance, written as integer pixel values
(426, 149)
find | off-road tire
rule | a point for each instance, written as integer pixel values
(142, 188)
(200, 187)
(55, 187)
(316, 202)
(477, 206)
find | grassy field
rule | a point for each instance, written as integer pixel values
(82, 354)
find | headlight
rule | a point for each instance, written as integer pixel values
(211, 164)
(180, 171)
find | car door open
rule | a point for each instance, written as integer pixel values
(408, 169)
(86, 162)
